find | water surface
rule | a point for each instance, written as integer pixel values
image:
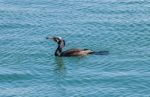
(28, 67)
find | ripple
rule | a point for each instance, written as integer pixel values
(9, 75)
(29, 67)
(14, 26)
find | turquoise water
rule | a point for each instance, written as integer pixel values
(28, 67)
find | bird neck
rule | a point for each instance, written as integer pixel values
(58, 51)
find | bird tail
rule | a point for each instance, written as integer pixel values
(100, 53)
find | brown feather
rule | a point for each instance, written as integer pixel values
(76, 52)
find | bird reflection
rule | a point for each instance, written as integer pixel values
(60, 72)
(60, 67)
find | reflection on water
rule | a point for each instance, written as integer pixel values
(59, 74)
(59, 67)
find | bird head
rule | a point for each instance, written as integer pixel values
(55, 39)
(60, 41)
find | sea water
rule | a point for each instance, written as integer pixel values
(28, 67)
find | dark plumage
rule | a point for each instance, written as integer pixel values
(70, 52)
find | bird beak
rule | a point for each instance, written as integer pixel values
(50, 38)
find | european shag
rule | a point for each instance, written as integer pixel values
(71, 52)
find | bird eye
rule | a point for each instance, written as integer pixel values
(56, 40)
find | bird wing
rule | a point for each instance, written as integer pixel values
(71, 51)
(76, 52)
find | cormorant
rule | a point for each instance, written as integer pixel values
(71, 52)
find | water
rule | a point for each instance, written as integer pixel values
(28, 67)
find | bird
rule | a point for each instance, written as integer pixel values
(71, 52)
